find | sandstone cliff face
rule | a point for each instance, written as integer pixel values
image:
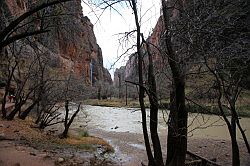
(160, 70)
(130, 72)
(119, 76)
(71, 40)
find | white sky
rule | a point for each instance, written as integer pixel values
(112, 23)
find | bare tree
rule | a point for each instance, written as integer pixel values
(10, 66)
(214, 34)
(8, 36)
(68, 121)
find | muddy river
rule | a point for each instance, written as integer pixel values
(129, 120)
(122, 128)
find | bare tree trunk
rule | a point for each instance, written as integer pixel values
(4, 112)
(171, 138)
(25, 113)
(153, 99)
(67, 123)
(231, 127)
(39, 113)
(243, 135)
(7, 89)
(235, 147)
(179, 113)
(141, 90)
(99, 92)
(15, 111)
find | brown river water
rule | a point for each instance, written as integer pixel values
(121, 127)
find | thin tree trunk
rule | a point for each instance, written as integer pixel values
(171, 138)
(7, 89)
(15, 111)
(231, 127)
(66, 122)
(235, 147)
(153, 99)
(141, 90)
(25, 113)
(39, 113)
(4, 112)
(243, 135)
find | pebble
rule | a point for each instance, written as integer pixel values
(60, 160)
(1, 125)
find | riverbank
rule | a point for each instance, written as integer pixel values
(116, 127)
(21, 144)
(243, 110)
(121, 127)
(131, 151)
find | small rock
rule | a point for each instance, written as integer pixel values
(46, 156)
(17, 164)
(60, 160)
(1, 125)
(112, 128)
(32, 154)
(16, 131)
(116, 127)
(106, 156)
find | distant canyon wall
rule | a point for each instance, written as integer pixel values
(130, 71)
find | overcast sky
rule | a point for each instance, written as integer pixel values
(112, 23)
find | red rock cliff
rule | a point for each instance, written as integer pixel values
(71, 40)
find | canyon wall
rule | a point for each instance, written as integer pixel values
(71, 41)
(130, 71)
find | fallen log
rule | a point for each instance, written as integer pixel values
(204, 161)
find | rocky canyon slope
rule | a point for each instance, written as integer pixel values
(70, 43)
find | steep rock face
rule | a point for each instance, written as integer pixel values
(130, 72)
(71, 39)
(160, 70)
(119, 76)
